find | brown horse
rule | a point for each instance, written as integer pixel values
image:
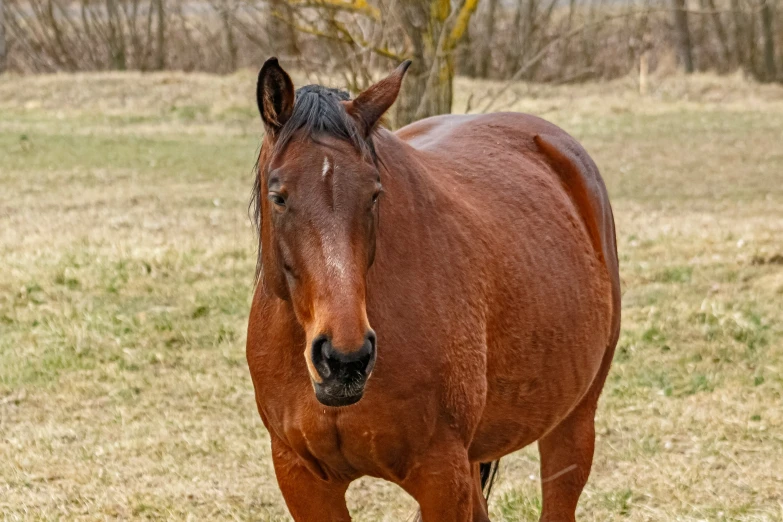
(449, 292)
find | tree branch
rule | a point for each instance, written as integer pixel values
(354, 6)
(461, 24)
(542, 52)
(345, 37)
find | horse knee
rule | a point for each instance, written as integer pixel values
(309, 498)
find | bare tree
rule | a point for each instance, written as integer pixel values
(739, 31)
(514, 49)
(160, 48)
(227, 8)
(3, 47)
(434, 28)
(354, 35)
(534, 40)
(117, 54)
(767, 28)
(683, 35)
(283, 37)
(752, 44)
(720, 32)
(485, 57)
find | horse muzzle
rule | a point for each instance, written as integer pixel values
(342, 373)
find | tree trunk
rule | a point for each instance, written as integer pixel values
(485, 56)
(467, 58)
(683, 35)
(514, 51)
(566, 56)
(699, 42)
(752, 46)
(720, 31)
(767, 28)
(116, 38)
(281, 29)
(160, 57)
(739, 34)
(529, 27)
(439, 93)
(3, 47)
(226, 15)
(428, 84)
(421, 96)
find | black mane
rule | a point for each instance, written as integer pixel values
(317, 112)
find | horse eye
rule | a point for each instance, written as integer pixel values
(375, 197)
(277, 200)
(289, 270)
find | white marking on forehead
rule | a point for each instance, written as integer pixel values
(335, 257)
(325, 170)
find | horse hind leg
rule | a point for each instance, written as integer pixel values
(567, 451)
(483, 476)
(566, 459)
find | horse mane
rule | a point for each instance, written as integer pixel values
(317, 112)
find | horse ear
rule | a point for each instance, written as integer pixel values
(274, 95)
(370, 105)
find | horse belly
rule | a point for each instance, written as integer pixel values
(545, 347)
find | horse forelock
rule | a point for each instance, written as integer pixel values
(318, 112)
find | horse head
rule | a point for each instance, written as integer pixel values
(317, 202)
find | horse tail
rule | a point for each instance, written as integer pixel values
(487, 471)
(584, 186)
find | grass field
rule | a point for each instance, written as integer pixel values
(127, 267)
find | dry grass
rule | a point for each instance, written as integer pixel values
(127, 270)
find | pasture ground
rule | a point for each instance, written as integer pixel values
(126, 269)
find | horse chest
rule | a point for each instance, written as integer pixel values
(347, 445)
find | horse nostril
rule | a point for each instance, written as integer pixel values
(369, 345)
(320, 353)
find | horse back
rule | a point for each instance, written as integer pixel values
(500, 136)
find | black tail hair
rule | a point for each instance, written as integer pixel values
(488, 472)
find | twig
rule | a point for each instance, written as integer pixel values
(570, 34)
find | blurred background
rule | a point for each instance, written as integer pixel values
(128, 133)
(551, 41)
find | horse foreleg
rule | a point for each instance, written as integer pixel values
(566, 459)
(444, 486)
(309, 498)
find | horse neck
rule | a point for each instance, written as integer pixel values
(402, 167)
(411, 193)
